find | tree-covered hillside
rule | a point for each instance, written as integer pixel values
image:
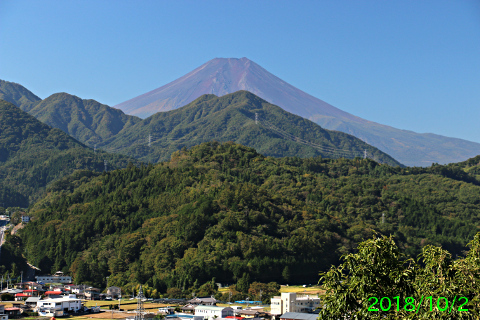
(231, 117)
(86, 120)
(18, 95)
(32, 155)
(225, 211)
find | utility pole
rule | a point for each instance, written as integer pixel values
(365, 154)
(256, 118)
(105, 163)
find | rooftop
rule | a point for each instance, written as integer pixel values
(299, 316)
(210, 307)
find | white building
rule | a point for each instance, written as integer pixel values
(213, 312)
(25, 219)
(58, 306)
(58, 277)
(289, 302)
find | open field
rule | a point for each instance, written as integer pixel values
(298, 289)
(127, 305)
(7, 304)
(302, 290)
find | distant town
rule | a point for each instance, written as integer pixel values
(56, 296)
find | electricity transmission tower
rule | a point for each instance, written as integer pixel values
(140, 312)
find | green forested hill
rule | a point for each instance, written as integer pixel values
(225, 211)
(232, 118)
(32, 155)
(86, 120)
(277, 133)
(18, 95)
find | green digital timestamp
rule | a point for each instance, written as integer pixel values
(442, 304)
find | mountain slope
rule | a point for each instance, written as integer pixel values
(32, 155)
(223, 76)
(232, 118)
(86, 120)
(18, 95)
(223, 210)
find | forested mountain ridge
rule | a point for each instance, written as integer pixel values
(86, 120)
(18, 95)
(232, 117)
(221, 76)
(225, 211)
(32, 155)
(208, 118)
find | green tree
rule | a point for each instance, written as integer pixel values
(243, 283)
(356, 287)
(286, 274)
(174, 293)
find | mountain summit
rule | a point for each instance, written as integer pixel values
(221, 76)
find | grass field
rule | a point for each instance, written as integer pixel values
(297, 289)
(127, 305)
(302, 290)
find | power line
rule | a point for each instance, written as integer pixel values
(328, 149)
(258, 120)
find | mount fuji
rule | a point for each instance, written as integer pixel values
(222, 76)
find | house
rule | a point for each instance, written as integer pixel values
(166, 310)
(289, 302)
(207, 301)
(114, 292)
(213, 312)
(92, 293)
(57, 277)
(25, 219)
(57, 307)
(33, 285)
(251, 313)
(13, 312)
(21, 296)
(31, 292)
(188, 308)
(53, 293)
(78, 289)
(31, 302)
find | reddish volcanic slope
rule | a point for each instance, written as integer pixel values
(222, 76)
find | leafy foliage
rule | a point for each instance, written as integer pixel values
(379, 270)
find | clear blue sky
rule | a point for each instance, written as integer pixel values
(410, 64)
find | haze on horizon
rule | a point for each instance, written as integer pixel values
(408, 64)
